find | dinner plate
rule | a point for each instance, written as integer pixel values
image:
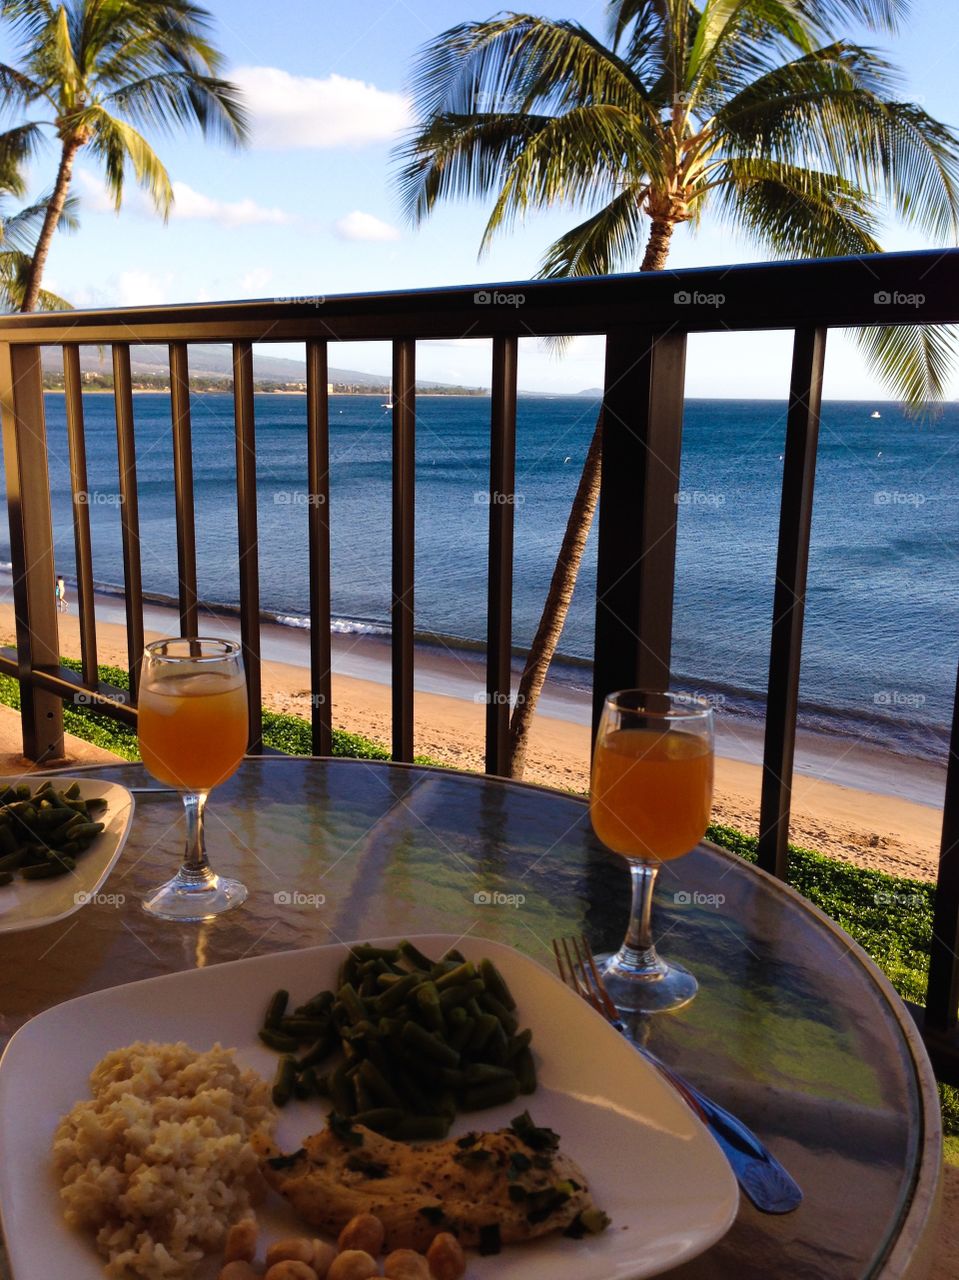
(28, 904)
(650, 1163)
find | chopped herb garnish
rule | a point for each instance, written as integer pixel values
(367, 1166)
(589, 1222)
(516, 1192)
(520, 1162)
(432, 1213)
(286, 1162)
(543, 1204)
(473, 1159)
(542, 1162)
(468, 1140)
(344, 1130)
(489, 1240)
(536, 1138)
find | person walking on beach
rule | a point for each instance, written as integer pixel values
(61, 596)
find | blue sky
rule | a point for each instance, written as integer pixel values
(311, 209)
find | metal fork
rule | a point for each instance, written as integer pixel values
(764, 1180)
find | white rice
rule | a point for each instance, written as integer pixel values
(158, 1163)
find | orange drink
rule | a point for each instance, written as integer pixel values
(193, 731)
(651, 792)
(193, 728)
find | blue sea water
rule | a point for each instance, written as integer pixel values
(882, 613)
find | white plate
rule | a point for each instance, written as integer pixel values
(650, 1163)
(28, 904)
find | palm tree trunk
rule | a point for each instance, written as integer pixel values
(570, 557)
(50, 222)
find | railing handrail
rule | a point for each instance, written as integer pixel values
(826, 292)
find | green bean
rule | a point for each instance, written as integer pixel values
(459, 1036)
(419, 1040)
(451, 997)
(490, 1095)
(496, 984)
(365, 951)
(319, 1051)
(518, 1043)
(317, 1004)
(378, 1085)
(351, 1002)
(428, 1000)
(509, 1021)
(453, 954)
(47, 870)
(284, 1080)
(276, 1009)
(394, 995)
(483, 1028)
(379, 1119)
(12, 861)
(486, 1073)
(414, 956)
(278, 1041)
(85, 830)
(497, 1046)
(72, 792)
(8, 841)
(461, 973)
(363, 1095)
(420, 1128)
(5, 877)
(526, 1072)
(340, 1091)
(304, 1028)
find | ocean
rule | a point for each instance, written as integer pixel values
(882, 612)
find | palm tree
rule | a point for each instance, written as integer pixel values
(19, 231)
(104, 68)
(757, 112)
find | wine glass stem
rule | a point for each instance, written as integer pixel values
(639, 935)
(195, 862)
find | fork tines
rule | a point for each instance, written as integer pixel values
(577, 968)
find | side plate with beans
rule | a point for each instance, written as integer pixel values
(418, 1041)
(44, 832)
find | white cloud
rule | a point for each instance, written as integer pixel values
(301, 111)
(187, 204)
(137, 288)
(256, 279)
(364, 226)
(228, 213)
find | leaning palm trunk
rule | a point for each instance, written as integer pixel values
(50, 222)
(556, 607)
(561, 586)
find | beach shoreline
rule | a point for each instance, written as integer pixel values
(873, 808)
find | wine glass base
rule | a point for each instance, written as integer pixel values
(653, 988)
(192, 898)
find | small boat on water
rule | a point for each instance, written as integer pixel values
(875, 414)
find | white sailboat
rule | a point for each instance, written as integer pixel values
(388, 403)
(875, 414)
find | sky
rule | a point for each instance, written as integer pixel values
(311, 207)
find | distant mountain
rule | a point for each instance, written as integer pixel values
(594, 393)
(217, 362)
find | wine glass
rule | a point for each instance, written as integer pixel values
(650, 795)
(193, 728)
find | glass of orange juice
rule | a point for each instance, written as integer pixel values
(650, 794)
(193, 728)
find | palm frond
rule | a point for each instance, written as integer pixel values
(170, 100)
(460, 156)
(14, 272)
(606, 242)
(21, 229)
(795, 212)
(913, 361)
(17, 146)
(116, 142)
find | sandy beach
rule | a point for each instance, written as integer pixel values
(897, 833)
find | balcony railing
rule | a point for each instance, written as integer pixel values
(645, 320)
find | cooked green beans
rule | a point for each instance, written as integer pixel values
(43, 832)
(420, 1040)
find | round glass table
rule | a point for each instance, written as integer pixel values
(794, 1029)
